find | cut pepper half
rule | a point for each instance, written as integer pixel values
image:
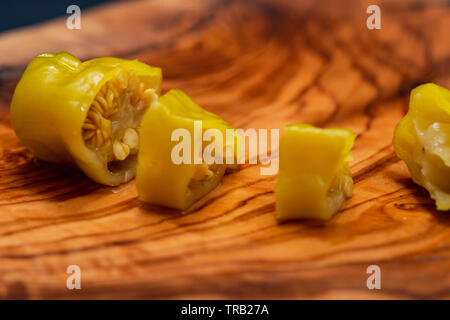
(160, 179)
(85, 113)
(314, 177)
(422, 140)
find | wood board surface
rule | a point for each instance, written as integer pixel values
(258, 64)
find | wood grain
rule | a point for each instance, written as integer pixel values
(258, 64)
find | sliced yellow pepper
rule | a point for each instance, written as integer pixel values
(85, 113)
(165, 181)
(422, 140)
(314, 177)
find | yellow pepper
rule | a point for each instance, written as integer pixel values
(171, 172)
(85, 113)
(314, 177)
(422, 140)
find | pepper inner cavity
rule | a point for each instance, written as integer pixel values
(111, 124)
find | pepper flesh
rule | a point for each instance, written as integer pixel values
(161, 181)
(422, 140)
(314, 177)
(68, 111)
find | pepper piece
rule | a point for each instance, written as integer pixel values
(422, 140)
(159, 179)
(314, 177)
(84, 113)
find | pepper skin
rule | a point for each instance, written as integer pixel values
(84, 113)
(159, 179)
(422, 140)
(314, 177)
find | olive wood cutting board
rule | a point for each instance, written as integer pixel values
(257, 64)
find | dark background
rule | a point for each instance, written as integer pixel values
(17, 13)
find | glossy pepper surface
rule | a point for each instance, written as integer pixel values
(422, 140)
(160, 179)
(84, 113)
(314, 178)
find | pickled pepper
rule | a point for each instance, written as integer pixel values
(314, 178)
(422, 140)
(85, 113)
(163, 181)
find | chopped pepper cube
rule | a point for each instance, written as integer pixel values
(84, 113)
(163, 181)
(314, 178)
(422, 140)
